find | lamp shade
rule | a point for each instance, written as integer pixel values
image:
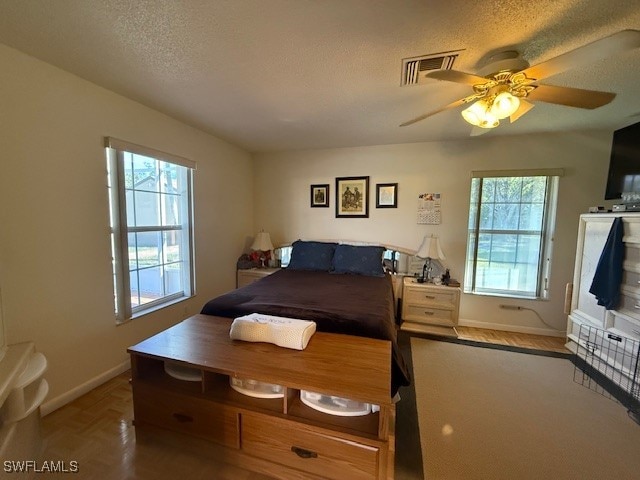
(504, 105)
(476, 112)
(262, 242)
(430, 248)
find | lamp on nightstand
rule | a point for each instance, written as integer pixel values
(429, 249)
(262, 244)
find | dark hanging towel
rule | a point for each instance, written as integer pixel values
(606, 281)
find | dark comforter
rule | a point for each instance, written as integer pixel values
(349, 304)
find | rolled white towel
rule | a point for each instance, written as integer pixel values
(284, 332)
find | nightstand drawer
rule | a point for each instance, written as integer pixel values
(313, 452)
(428, 314)
(424, 296)
(247, 277)
(185, 414)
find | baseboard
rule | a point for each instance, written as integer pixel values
(547, 332)
(67, 397)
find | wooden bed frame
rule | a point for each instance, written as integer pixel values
(282, 438)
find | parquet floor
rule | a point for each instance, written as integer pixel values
(96, 431)
(522, 340)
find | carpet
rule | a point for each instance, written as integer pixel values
(408, 456)
(493, 414)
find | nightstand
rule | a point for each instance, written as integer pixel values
(429, 308)
(245, 277)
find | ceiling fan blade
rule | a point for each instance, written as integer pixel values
(571, 97)
(590, 53)
(524, 107)
(455, 104)
(477, 131)
(457, 77)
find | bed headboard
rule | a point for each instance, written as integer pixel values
(396, 259)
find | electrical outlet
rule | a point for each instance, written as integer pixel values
(511, 307)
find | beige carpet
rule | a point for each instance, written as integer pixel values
(495, 414)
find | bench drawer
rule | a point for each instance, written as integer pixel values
(313, 452)
(185, 414)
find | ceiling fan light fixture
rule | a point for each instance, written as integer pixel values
(480, 114)
(489, 121)
(504, 105)
(476, 112)
(516, 82)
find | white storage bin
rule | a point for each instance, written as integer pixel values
(181, 372)
(254, 388)
(336, 405)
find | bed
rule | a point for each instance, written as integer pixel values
(343, 288)
(347, 293)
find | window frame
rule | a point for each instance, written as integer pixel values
(120, 230)
(546, 233)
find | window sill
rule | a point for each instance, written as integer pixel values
(506, 295)
(153, 309)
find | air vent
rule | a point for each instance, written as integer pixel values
(414, 69)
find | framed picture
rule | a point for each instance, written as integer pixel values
(386, 195)
(320, 195)
(352, 197)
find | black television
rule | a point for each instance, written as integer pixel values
(624, 165)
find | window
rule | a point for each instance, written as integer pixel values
(150, 195)
(511, 219)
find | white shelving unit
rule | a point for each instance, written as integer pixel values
(605, 336)
(22, 391)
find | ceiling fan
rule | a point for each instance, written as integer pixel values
(507, 86)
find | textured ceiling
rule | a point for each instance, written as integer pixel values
(271, 75)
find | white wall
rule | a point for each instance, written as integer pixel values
(3, 346)
(282, 203)
(55, 259)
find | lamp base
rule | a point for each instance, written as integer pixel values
(426, 272)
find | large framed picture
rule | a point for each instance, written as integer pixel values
(352, 197)
(320, 195)
(386, 195)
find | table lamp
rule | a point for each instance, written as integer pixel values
(262, 243)
(429, 249)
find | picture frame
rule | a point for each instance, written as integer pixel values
(320, 195)
(352, 197)
(386, 195)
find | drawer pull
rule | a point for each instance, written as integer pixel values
(430, 297)
(182, 418)
(427, 312)
(303, 453)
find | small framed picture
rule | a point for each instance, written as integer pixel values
(320, 195)
(352, 197)
(386, 195)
